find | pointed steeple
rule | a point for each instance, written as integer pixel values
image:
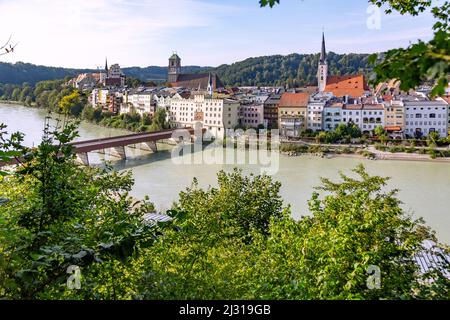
(323, 54)
(210, 85)
(106, 65)
(323, 67)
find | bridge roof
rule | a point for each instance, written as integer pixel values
(121, 141)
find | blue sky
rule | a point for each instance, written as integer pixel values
(80, 33)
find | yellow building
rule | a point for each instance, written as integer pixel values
(394, 114)
(293, 114)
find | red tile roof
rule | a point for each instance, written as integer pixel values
(351, 85)
(388, 98)
(294, 100)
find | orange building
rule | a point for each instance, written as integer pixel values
(353, 86)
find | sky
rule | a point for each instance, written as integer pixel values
(81, 33)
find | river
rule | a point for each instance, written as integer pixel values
(424, 186)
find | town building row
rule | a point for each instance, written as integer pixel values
(337, 99)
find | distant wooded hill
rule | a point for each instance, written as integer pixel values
(293, 70)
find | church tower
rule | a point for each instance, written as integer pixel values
(174, 68)
(323, 67)
(210, 88)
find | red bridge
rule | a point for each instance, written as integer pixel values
(117, 144)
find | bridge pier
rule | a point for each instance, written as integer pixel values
(151, 145)
(118, 152)
(169, 141)
(115, 146)
(83, 158)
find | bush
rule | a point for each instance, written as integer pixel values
(396, 149)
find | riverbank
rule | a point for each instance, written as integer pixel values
(327, 151)
(15, 103)
(384, 156)
(369, 152)
(421, 183)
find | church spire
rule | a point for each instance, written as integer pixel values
(323, 67)
(106, 65)
(210, 85)
(323, 54)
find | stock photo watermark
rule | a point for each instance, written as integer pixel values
(373, 22)
(374, 279)
(239, 147)
(74, 280)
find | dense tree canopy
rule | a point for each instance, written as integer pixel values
(61, 214)
(20, 72)
(235, 241)
(56, 96)
(291, 70)
(354, 226)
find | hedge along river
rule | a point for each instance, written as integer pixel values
(424, 186)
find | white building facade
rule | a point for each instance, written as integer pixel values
(251, 115)
(332, 116)
(139, 102)
(423, 117)
(316, 107)
(99, 97)
(352, 113)
(372, 117)
(216, 115)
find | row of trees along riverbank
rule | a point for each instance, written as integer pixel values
(55, 96)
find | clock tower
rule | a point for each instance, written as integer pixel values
(174, 68)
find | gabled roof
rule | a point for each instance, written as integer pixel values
(174, 57)
(294, 100)
(194, 80)
(350, 85)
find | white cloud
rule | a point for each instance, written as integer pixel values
(80, 33)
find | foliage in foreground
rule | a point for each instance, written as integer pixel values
(353, 226)
(61, 214)
(234, 241)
